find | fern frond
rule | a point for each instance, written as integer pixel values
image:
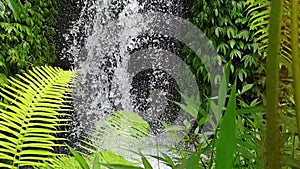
(62, 162)
(29, 119)
(120, 132)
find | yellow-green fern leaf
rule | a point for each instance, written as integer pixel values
(33, 109)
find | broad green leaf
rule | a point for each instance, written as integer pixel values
(226, 142)
(3, 79)
(166, 159)
(189, 109)
(246, 88)
(113, 158)
(192, 162)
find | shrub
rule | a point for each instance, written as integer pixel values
(27, 35)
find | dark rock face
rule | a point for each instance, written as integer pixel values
(148, 81)
(69, 12)
(153, 106)
(179, 8)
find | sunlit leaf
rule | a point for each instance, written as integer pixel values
(2, 8)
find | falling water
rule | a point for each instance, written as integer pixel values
(108, 44)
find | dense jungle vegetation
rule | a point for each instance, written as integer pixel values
(258, 105)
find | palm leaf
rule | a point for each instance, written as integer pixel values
(82, 161)
(260, 21)
(29, 119)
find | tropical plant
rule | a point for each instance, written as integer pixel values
(118, 132)
(106, 159)
(237, 139)
(273, 146)
(34, 107)
(126, 128)
(281, 48)
(260, 23)
(27, 35)
(226, 25)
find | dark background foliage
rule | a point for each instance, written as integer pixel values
(226, 24)
(28, 35)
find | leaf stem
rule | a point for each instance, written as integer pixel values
(273, 137)
(295, 55)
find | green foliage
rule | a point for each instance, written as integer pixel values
(27, 35)
(237, 141)
(126, 129)
(227, 141)
(83, 163)
(295, 55)
(260, 22)
(100, 160)
(31, 115)
(61, 162)
(122, 128)
(259, 10)
(225, 23)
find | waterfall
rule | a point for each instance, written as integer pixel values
(125, 51)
